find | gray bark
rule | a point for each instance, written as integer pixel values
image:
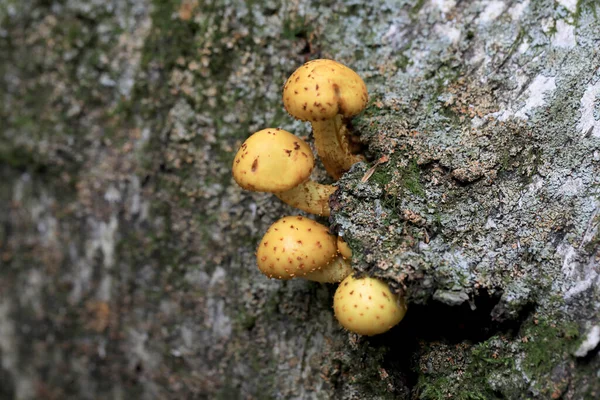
(127, 251)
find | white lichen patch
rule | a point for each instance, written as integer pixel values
(490, 224)
(138, 350)
(444, 6)
(591, 341)
(104, 241)
(448, 31)
(30, 294)
(393, 36)
(537, 183)
(569, 259)
(524, 46)
(541, 87)
(564, 36)
(581, 285)
(7, 337)
(492, 11)
(9, 334)
(218, 321)
(571, 187)
(516, 11)
(547, 25)
(112, 195)
(131, 44)
(19, 188)
(570, 5)
(589, 123)
(586, 277)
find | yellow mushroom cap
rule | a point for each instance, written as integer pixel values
(343, 248)
(367, 306)
(321, 89)
(294, 246)
(272, 160)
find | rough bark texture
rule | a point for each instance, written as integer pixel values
(126, 250)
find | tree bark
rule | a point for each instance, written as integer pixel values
(127, 262)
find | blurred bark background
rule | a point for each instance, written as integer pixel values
(126, 250)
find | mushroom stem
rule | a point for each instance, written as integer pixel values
(309, 196)
(332, 143)
(334, 272)
(325, 93)
(343, 248)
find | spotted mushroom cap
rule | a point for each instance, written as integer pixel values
(294, 246)
(272, 160)
(321, 89)
(367, 306)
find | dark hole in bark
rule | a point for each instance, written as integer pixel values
(440, 323)
(7, 388)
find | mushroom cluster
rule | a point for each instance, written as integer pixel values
(272, 160)
(325, 93)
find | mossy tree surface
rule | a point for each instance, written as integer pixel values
(127, 252)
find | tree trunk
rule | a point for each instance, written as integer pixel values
(127, 264)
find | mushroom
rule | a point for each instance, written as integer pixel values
(339, 268)
(367, 306)
(295, 246)
(334, 272)
(343, 248)
(275, 161)
(325, 93)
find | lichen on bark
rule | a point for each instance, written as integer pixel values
(127, 251)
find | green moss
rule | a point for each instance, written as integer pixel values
(439, 390)
(586, 6)
(364, 373)
(486, 355)
(545, 343)
(63, 174)
(402, 61)
(20, 158)
(471, 383)
(244, 321)
(228, 391)
(381, 177)
(516, 43)
(411, 179)
(541, 344)
(295, 26)
(466, 380)
(170, 37)
(414, 10)
(372, 109)
(280, 118)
